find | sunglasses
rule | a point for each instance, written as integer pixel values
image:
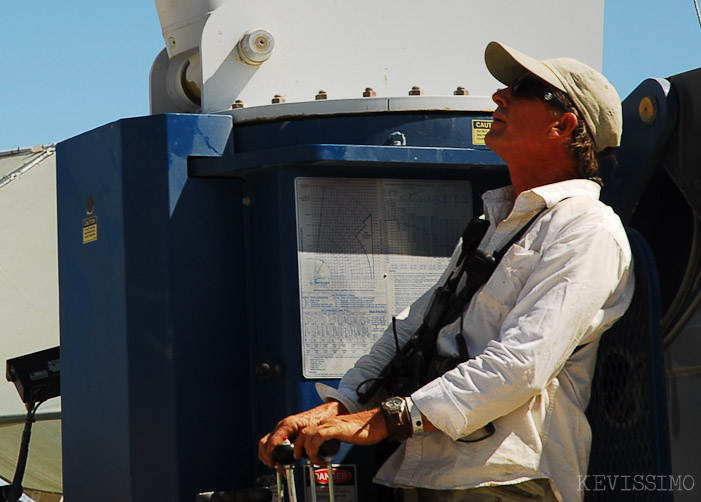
(529, 87)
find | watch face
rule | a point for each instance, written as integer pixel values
(393, 404)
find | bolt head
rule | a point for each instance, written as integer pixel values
(256, 46)
(647, 110)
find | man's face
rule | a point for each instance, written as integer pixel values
(521, 125)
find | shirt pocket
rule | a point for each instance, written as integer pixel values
(502, 290)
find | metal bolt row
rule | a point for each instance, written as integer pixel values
(368, 93)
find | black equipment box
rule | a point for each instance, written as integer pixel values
(37, 376)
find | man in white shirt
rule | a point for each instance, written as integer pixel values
(531, 331)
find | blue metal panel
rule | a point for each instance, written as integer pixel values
(274, 278)
(153, 324)
(642, 144)
(92, 296)
(683, 153)
(445, 129)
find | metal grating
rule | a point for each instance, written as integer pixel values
(630, 459)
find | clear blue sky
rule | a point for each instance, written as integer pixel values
(71, 65)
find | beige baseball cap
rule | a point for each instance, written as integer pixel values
(593, 95)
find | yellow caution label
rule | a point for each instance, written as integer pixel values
(90, 229)
(480, 128)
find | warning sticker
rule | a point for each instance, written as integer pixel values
(480, 128)
(90, 229)
(344, 479)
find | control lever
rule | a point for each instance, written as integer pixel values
(327, 451)
(284, 454)
(312, 479)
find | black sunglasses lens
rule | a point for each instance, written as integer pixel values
(526, 87)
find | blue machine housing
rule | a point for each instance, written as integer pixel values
(180, 321)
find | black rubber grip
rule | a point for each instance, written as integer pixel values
(284, 453)
(329, 448)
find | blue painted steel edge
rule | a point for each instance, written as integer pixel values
(344, 154)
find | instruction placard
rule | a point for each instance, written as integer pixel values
(366, 250)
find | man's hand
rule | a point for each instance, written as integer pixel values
(292, 425)
(364, 428)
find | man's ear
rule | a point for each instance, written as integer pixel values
(565, 125)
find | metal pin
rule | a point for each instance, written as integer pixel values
(327, 451)
(329, 468)
(312, 479)
(280, 489)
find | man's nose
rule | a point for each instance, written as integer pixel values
(501, 96)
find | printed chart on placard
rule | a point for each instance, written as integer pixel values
(367, 248)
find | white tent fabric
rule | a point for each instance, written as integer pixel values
(29, 306)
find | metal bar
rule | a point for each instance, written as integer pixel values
(336, 154)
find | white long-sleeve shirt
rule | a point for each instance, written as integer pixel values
(566, 281)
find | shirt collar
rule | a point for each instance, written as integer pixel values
(555, 192)
(499, 203)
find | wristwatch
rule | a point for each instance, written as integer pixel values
(397, 417)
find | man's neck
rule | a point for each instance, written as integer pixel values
(525, 176)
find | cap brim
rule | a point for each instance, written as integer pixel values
(507, 65)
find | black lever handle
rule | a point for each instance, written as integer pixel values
(284, 453)
(329, 448)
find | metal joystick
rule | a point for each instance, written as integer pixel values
(327, 451)
(312, 480)
(284, 454)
